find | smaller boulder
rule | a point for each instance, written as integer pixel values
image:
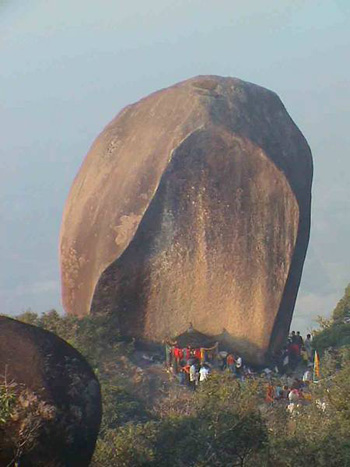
(50, 407)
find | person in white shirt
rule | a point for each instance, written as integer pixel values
(203, 373)
(308, 347)
(307, 376)
(239, 367)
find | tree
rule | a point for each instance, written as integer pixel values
(335, 332)
(342, 310)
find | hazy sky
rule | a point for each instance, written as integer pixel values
(67, 67)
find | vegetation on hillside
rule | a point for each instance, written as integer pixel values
(335, 332)
(151, 421)
(23, 416)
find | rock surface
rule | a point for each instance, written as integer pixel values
(66, 392)
(193, 205)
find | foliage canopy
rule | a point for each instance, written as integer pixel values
(225, 423)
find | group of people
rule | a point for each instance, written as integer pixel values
(232, 362)
(297, 357)
(194, 374)
(177, 357)
(192, 366)
(289, 389)
(296, 351)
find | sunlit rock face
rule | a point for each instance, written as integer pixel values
(193, 205)
(57, 387)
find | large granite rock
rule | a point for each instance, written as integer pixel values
(193, 205)
(57, 414)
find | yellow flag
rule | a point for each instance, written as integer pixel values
(316, 366)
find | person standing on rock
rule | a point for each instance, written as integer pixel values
(231, 362)
(239, 366)
(186, 372)
(203, 373)
(193, 376)
(223, 359)
(293, 354)
(299, 339)
(308, 347)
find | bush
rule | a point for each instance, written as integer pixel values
(335, 332)
(222, 427)
(23, 417)
(130, 445)
(342, 310)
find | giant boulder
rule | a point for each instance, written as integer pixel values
(193, 205)
(57, 414)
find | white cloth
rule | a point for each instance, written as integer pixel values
(293, 396)
(203, 374)
(238, 362)
(193, 373)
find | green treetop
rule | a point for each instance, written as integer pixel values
(342, 310)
